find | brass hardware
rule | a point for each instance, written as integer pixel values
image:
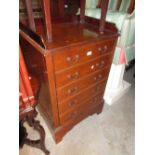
(102, 62)
(73, 76)
(96, 89)
(99, 49)
(72, 60)
(73, 103)
(100, 76)
(103, 49)
(72, 90)
(95, 78)
(97, 64)
(100, 65)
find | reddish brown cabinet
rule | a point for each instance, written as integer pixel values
(72, 68)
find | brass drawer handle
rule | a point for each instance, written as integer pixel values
(73, 76)
(99, 77)
(73, 103)
(72, 60)
(97, 64)
(103, 49)
(72, 90)
(100, 65)
(96, 89)
(95, 78)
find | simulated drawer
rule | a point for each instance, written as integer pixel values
(71, 75)
(68, 58)
(64, 108)
(81, 97)
(80, 110)
(76, 87)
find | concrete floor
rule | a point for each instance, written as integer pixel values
(110, 133)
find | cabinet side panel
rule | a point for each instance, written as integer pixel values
(52, 88)
(36, 66)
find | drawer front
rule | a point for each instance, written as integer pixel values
(71, 56)
(71, 75)
(76, 87)
(74, 101)
(80, 110)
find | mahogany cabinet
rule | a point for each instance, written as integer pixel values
(72, 66)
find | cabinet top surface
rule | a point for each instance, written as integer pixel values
(70, 34)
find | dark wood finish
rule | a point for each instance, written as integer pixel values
(36, 7)
(82, 97)
(40, 143)
(79, 85)
(79, 111)
(71, 7)
(47, 19)
(82, 10)
(53, 100)
(118, 4)
(61, 8)
(60, 132)
(131, 6)
(77, 61)
(28, 4)
(104, 8)
(70, 75)
(85, 53)
(76, 102)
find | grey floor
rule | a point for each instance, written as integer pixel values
(110, 133)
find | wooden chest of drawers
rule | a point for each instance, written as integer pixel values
(73, 72)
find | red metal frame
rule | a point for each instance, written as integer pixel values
(28, 4)
(25, 89)
(104, 8)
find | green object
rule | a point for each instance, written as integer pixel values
(90, 4)
(126, 25)
(112, 5)
(124, 22)
(124, 5)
